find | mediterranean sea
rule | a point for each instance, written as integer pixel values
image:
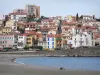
(71, 63)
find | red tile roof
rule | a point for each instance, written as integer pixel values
(44, 28)
(58, 35)
(66, 28)
(68, 23)
(17, 13)
(28, 32)
(50, 35)
(23, 35)
(54, 36)
(39, 34)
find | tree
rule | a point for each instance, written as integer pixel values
(21, 30)
(26, 47)
(42, 16)
(93, 16)
(81, 17)
(77, 17)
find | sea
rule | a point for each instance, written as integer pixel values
(71, 63)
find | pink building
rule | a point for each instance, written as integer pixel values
(7, 41)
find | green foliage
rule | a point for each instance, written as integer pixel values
(21, 30)
(57, 39)
(26, 47)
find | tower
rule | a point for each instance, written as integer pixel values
(33, 10)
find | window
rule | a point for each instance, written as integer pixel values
(14, 16)
(28, 38)
(5, 41)
(2, 41)
(48, 43)
(52, 46)
(48, 46)
(81, 35)
(75, 38)
(52, 39)
(28, 42)
(48, 39)
(80, 39)
(52, 43)
(75, 42)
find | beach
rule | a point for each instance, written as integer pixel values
(9, 67)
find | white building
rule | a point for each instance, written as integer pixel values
(43, 44)
(17, 14)
(12, 24)
(81, 39)
(21, 41)
(51, 41)
(2, 17)
(16, 17)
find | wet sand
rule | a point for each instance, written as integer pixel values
(7, 67)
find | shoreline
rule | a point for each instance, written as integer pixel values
(32, 53)
(8, 67)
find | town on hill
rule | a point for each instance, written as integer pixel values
(25, 29)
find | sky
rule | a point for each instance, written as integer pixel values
(55, 7)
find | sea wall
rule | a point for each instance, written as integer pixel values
(78, 52)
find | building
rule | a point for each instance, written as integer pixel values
(8, 41)
(22, 41)
(33, 10)
(81, 39)
(2, 17)
(17, 14)
(27, 25)
(1, 23)
(51, 42)
(43, 44)
(12, 24)
(29, 40)
(5, 30)
(96, 38)
(40, 40)
(31, 37)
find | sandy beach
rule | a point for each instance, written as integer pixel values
(7, 67)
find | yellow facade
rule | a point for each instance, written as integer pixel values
(29, 41)
(9, 23)
(5, 30)
(20, 25)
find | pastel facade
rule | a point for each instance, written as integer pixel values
(21, 41)
(51, 42)
(43, 44)
(33, 10)
(12, 24)
(29, 41)
(7, 41)
(17, 14)
(5, 30)
(81, 39)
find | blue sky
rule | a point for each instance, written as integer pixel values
(55, 7)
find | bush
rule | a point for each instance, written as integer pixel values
(26, 47)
